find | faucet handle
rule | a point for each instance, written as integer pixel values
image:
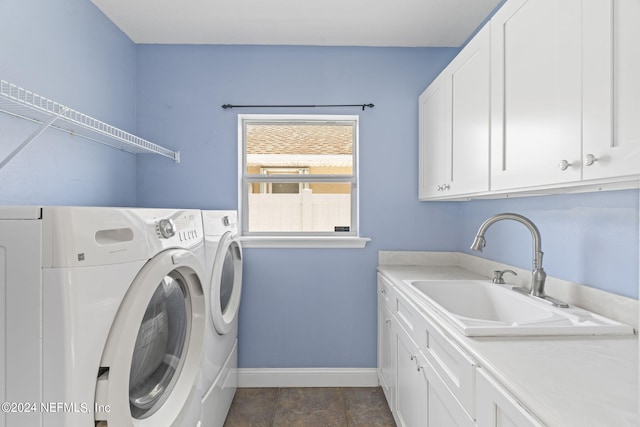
(497, 276)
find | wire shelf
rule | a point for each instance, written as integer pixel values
(28, 105)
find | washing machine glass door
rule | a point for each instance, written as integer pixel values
(160, 346)
(152, 356)
(226, 283)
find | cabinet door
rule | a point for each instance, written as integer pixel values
(444, 408)
(496, 408)
(454, 368)
(536, 92)
(411, 393)
(454, 124)
(612, 89)
(434, 135)
(386, 354)
(423, 399)
(468, 149)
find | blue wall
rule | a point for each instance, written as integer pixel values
(588, 238)
(70, 52)
(300, 307)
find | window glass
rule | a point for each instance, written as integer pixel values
(322, 207)
(289, 147)
(300, 175)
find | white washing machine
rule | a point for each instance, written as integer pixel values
(104, 316)
(223, 254)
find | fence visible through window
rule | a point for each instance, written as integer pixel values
(300, 212)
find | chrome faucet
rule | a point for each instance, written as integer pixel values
(538, 274)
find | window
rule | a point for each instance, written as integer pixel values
(299, 178)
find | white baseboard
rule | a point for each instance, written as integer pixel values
(308, 377)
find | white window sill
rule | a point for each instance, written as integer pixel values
(303, 242)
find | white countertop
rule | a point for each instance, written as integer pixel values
(565, 381)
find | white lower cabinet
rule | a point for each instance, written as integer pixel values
(411, 397)
(386, 354)
(497, 408)
(444, 409)
(428, 379)
(422, 397)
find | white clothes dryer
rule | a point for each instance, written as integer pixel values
(223, 254)
(107, 315)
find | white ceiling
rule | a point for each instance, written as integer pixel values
(299, 22)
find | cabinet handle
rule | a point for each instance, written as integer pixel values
(419, 367)
(564, 165)
(589, 159)
(439, 187)
(446, 187)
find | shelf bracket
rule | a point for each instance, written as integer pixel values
(31, 137)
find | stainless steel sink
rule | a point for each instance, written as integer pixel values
(481, 308)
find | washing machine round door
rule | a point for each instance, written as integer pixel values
(151, 360)
(226, 283)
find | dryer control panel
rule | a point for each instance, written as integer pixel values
(216, 223)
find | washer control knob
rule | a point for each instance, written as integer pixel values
(167, 228)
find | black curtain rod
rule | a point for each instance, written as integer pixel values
(229, 106)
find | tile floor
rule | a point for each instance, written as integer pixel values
(309, 407)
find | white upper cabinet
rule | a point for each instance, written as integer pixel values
(470, 78)
(536, 93)
(545, 98)
(434, 134)
(611, 89)
(454, 125)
